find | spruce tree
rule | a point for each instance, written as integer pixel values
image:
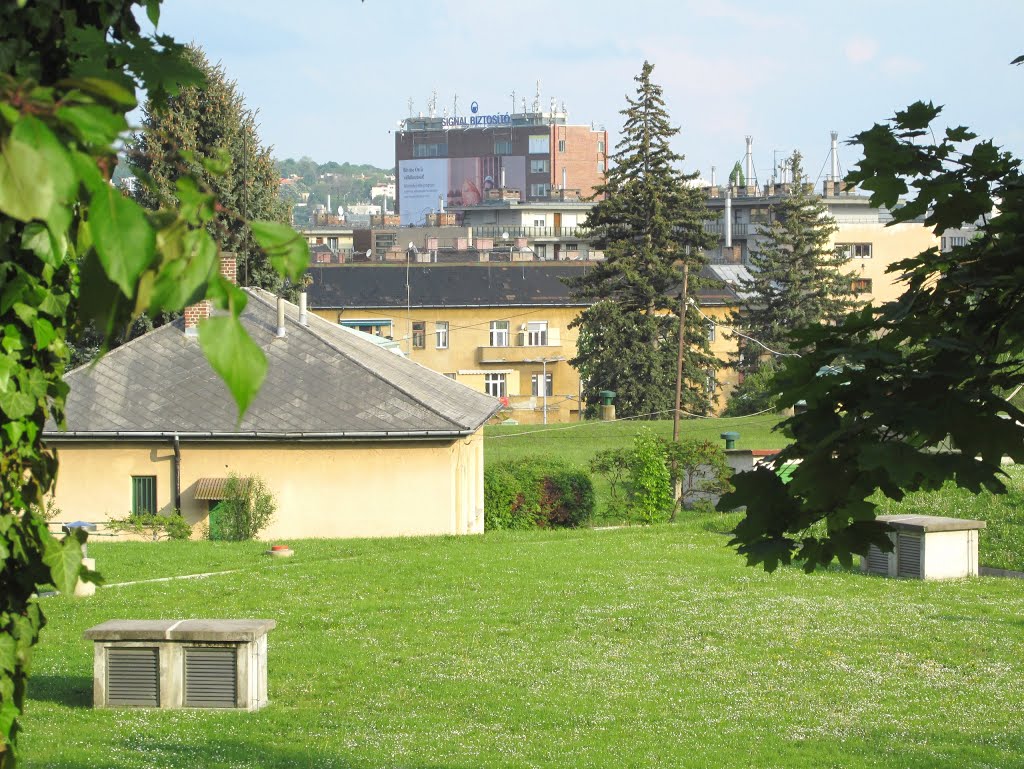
(648, 221)
(211, 124)
(796, 276)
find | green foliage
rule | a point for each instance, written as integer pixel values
(648, 221)
(757, 392)
(247, 509)
(154, 525)
(74, 251)
(536, 492)
(613, 466)
(796, 278)
(207, 134)
(649, 483)
(888, 387)
(736, 176)
(702, 471)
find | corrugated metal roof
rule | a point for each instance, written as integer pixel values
(211, 488)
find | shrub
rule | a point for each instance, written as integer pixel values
(155, 525)
(248, 507)
(757, 392)
(613, 464)
(536, 493)
(702, 471)
(649, 483)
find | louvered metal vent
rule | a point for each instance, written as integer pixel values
(908, 555)
(211, 676)
(133, 676)
(878, 562)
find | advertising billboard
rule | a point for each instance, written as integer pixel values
(459, 181)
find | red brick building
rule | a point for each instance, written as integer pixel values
(465, 160)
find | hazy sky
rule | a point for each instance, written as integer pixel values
(331, 77)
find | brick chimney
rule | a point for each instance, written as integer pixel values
(201, 309)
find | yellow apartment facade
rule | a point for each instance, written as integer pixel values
(503, 329)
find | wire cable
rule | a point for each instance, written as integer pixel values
(741, 334)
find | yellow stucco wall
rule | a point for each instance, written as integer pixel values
(468, 354)
(322, 490)
(888, 245)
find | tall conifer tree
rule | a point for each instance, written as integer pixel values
(648, 220)
(212, 123)
(796, 276)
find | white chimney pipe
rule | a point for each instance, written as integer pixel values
(303, 314)
(440, 204)
(728, 218)
(835, 156)
(280, 317)
(328, 204)
(503, 177)
(748, 165)
(712, 176)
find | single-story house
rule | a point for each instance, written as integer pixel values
(352, 440)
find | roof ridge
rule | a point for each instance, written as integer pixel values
(358, 362)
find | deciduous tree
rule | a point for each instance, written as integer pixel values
(207, 133)
(648, 220)
(73, 248)
(888, 387)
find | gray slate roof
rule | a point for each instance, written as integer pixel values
(488, 284)
(322, 384)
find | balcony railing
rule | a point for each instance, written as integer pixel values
(533, 233)
(718, 228)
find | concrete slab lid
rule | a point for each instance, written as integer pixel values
(926, 523)
(237, 630)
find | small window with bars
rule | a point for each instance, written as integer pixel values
(143, 494)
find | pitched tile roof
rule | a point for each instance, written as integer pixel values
(322, 384)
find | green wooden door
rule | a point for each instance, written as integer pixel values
(215, 524)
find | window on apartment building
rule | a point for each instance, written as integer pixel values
(600, 147)
(854, 250)
(862, 285)
(710, 383)
(499, 333)
(430, 150)
(561, 145)
(535, 386)
(540, 145)
(539, 221)
(143, 494)
(441, 334)
(953, 241)
(494, 384)
(539, 166)
(536, 333)
(600, 166)
(419, 334)
(574, 247)
(503, 147)
(711, 331)
(539, 190)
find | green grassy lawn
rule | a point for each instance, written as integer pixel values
(639, 647)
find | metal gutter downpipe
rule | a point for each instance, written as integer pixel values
(728, 218)
(176, 443)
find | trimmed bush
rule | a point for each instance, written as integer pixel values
(536, 493)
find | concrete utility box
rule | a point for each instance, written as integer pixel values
(208, 663)
(927, 547)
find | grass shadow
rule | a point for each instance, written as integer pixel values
(72, 691)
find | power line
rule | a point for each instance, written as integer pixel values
(741, 334)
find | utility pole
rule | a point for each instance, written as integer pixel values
(683, 299)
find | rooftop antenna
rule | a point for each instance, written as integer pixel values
(524, 105)
(536, 99)
(513, 100)
(455, 106)
(410, 106)
(564, 110)
(433, 103)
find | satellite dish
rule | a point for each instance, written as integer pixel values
(341, 210)
(369, 253)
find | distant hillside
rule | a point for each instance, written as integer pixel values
(346, 183)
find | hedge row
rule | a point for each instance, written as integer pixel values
(536, 493)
